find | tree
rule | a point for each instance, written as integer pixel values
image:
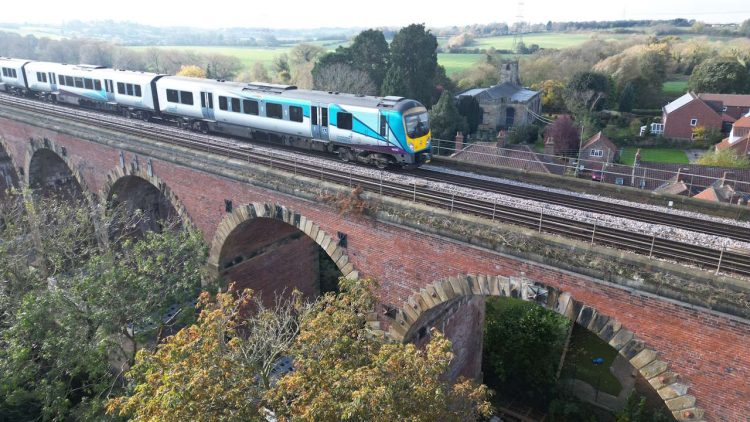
(445, 121)
(725, 158)
(301, 62)
(414, 56)
(343, 373)
(281, 69)
(552, 95)
(191, 71)
(370, 53)
(469, 108)
(627, 97)
(745, 28)
(564, 133)
(522, 347)
(196, 374)
(586, 92)
(526, 134)
(341, 77)
(721, 76)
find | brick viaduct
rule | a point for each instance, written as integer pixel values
(264, 229)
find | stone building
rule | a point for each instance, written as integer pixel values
(506, 104)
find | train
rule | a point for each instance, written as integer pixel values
(380, 131)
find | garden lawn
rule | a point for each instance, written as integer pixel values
(584, 347)
(657, 155)
(674, 87)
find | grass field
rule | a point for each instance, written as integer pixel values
(659, 155)
(674, 87)
(455, 63)
(247, 55)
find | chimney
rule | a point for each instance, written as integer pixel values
(549, 146)
(509, 73)
(501, 138)
(459, 141)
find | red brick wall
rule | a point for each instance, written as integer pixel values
(708, 350)
(677, 123)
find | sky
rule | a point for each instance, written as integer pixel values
(352, 13)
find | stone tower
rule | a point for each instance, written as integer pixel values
(509, 72)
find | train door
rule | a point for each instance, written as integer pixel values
(109, 88)
(319, 121)
(52, 81)
(383, 141)
(207, 105)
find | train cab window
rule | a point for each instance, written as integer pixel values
(344, 121)
(138, 92)
(383, 125)
(172, 96)
(129, 89)
(69, 81)
(236, 105)
(78, 82)
(324, 116)
(250, 107)
(88, 83)
(223, 103)
(295, 113)
(274, 111)
(186, 97)
(97, 85)
(121, 90)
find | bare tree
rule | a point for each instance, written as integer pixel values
(343, 78)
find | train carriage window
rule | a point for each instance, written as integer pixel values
(383, 125)
(121, 90)
(172, 96)
(344, 121)
(5, 72)
(236, 105)
(138, 92)
(69, 81)
(78, 82)
(61, 80)
(186, 97)
(314, 115)
(129, 89)
(88, 83)
(97, 85)
(324, 116)
(274, 111)
(250, 107)
(295, 114)
(14, 73)
(39, 76)
(223, 103)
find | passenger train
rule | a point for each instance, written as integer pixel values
(381, 131)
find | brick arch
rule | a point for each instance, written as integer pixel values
(45, 144)
(134, 170)
(6, 154)
(421, 305)
(280, 213)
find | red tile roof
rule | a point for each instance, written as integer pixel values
(729, 100)
(516, 156)
(743, 122)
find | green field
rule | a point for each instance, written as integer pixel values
(658, 155)
(247, 55)
(455, 63)
(674, 87)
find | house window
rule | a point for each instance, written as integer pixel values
(724, 108)
(693, 122)
(596, 153)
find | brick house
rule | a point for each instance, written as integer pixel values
(733, 106)
(739, 137)
(686, 113)
(506, 104)
(599, 149)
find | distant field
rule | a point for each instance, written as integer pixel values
(38, 32)
(455, 63)
(674, 87)
(247, 55)
(659, 155)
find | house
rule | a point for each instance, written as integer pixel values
(739, 137)
(599, 149)
(686, 113)
(506, 104)
(712, 111)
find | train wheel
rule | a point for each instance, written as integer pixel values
(344, 154)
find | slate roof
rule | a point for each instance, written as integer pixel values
(504, 90)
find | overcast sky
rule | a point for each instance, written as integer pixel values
(353, 13)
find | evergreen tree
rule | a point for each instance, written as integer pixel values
(445, 119)
(414, 55)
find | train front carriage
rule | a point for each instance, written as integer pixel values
(13, 75)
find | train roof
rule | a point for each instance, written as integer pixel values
(8, 61)
(292, 92)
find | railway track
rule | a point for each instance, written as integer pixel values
(585, 204)
(717, 260)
